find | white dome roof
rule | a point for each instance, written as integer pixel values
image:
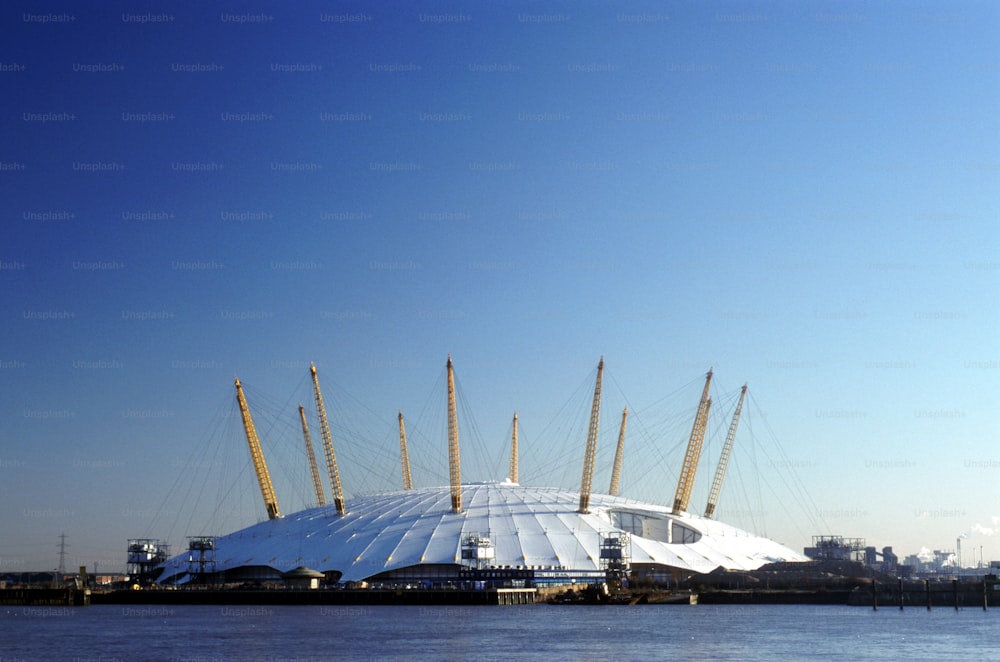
(528, 526)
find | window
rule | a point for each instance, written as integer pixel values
(654, 527)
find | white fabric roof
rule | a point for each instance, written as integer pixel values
(529, 526)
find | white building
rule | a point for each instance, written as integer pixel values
(414, 535)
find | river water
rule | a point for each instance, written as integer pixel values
(549, 632)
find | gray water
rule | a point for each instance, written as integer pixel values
(549, 632)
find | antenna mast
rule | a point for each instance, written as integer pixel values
(311, 454)
(513, 452)
(257, 455)
(454, 465)
(404, 455)
(588, 458)
(727, 449)
(331, 457)
(616, 471)
(690, 466)
(62, 553)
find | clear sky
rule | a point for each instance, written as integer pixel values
(803, 196)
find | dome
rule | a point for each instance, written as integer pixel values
(535, 528)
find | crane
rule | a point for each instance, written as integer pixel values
(311, 454)
(686, 481)
(727, 449)
(616, 470)
(331, 457)
(588, 458)
(454, 465)
(257, 455)
(404, 455)
(513, 452)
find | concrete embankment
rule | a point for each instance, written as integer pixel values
(501, 596)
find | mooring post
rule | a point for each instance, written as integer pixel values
(900, 594)
(874, 594)
(927, 589)
(985, 594)
(954, 591)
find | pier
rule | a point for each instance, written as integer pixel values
(45, 597)
(923, 593)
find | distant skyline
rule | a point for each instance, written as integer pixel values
(802, 197)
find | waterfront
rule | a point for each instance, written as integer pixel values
(553, 633)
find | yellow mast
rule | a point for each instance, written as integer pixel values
(257, 455)
(588, 458)
(311, 454)
(513, 452)
(404, 455)
(727, 449)
(331, 458)
(454, 465)
(616, 471)
(690, 466)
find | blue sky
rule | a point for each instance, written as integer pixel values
(803, 197)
